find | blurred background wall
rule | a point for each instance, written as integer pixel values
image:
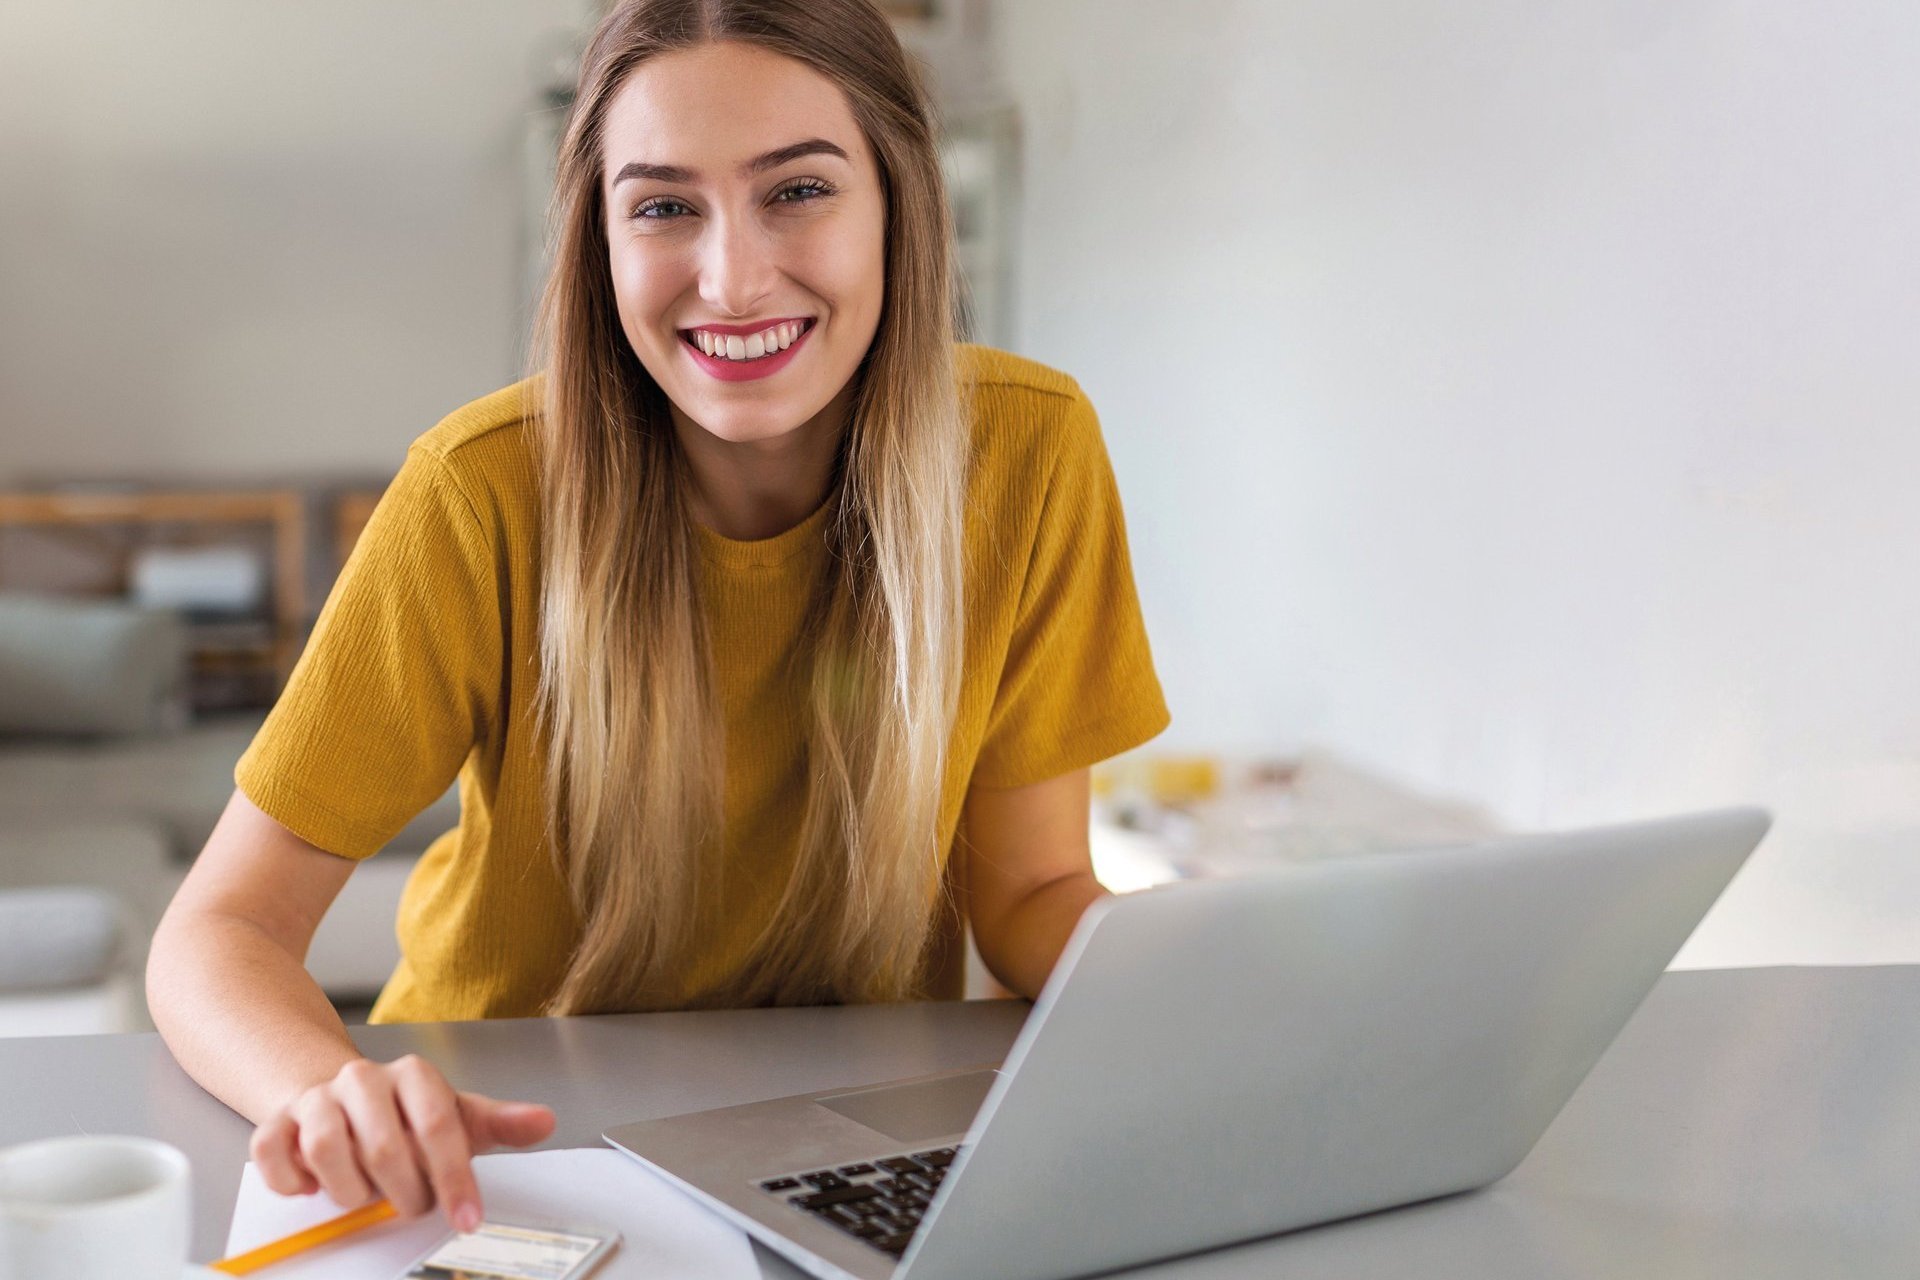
(1517, 400)
(240, 238)
(1521, 397)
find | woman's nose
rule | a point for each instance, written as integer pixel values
(737, 268)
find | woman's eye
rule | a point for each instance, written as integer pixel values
(650, 210)
(801, 187)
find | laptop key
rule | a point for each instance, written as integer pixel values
(885, 1210)
(779, 1184)
(832, 1196)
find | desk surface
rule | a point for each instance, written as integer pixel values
(1752, 1123)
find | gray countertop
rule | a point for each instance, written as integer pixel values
(1752, 1123)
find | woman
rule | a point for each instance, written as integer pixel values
(770, 633)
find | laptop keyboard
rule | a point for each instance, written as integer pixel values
(878, 1201)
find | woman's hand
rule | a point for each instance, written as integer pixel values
(394, 1129)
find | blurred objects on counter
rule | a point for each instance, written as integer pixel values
(1162, 816)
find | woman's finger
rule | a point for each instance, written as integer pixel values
(381, 1140)
(492, 1123)
(432, 1114)
(272, 1151)
(325, 1144)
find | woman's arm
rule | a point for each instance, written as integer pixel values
(228, 988)
(1029, 874)
(226, 978)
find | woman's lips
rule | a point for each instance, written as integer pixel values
(726, 370)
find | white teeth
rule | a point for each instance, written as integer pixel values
(751, 347)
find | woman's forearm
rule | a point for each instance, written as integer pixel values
(241, 1014)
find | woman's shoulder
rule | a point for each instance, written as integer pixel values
(992, 373)
(1026, 415)
(486, 449)
(498, 420)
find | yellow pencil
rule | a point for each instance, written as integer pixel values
(245, 1263)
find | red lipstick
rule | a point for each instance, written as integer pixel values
(744, 370)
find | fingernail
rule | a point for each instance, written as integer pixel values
(466, 1217)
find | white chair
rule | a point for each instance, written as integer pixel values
(79, 899)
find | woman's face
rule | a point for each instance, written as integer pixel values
(743, 208)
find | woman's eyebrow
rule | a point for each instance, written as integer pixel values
(772, 159)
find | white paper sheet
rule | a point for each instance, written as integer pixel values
(664, 1233)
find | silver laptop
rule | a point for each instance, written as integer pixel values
(1218, 1060)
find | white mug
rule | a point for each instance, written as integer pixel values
(94, 1208)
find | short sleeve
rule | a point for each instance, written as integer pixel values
(1078, 684)
(399, 679)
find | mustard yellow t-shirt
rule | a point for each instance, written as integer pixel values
(423, 664)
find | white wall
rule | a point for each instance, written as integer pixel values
(243, 239)
(1519, 398)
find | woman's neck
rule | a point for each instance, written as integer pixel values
(755, 489)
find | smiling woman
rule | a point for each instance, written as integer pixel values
(770, 631)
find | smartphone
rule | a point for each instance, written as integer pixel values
(515, 1251)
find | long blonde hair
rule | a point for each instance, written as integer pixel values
(626, 698)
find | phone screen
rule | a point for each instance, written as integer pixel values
(499, 1251)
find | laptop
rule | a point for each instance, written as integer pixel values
(1214, 1061)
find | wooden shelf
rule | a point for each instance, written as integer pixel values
(281, 511)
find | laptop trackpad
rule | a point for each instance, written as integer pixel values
(916, 1112)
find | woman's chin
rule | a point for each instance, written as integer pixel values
(736, 427)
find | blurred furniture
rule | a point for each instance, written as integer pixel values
(129, 814)
(255, 659)
(114, 796)
(980, 159)
(75, 667)
(78, 901)
(64, 967)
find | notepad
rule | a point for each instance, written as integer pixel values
(663, 1231)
